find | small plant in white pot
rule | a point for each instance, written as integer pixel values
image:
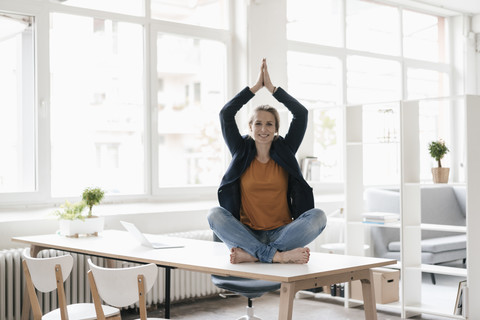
(72, 219)
(71, 211)
(437, 150)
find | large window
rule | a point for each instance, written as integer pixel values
(112, 94)
(424, 83)
(315, 21)
(372, 27)
(17, 107)
(125, 94)
(372, 80)
(388, 54)
(97, 105)
(316, 81)
(424, 37)
(191, 91)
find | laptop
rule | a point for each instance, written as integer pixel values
(133, 230)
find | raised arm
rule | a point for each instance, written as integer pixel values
(298, 126)
(230, 131)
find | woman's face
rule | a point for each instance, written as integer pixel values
(262, 128)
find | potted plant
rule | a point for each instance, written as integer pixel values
(72, 219)
(437, 150)
(92, 196)
(71, 211)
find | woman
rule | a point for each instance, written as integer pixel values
(266, 208)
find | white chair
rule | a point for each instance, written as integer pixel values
(48, 274)
(121, 287)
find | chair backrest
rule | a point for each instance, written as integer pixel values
(46, 275)
(119, 287)
(42, 270)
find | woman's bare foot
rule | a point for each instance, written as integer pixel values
(238, 255)
(298, 255)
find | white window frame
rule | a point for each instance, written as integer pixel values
(41, 10)
(342, 52)
(237, 72)
(182, 192)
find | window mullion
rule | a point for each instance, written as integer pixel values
(152, 110)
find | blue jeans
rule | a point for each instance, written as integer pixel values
(263, 244)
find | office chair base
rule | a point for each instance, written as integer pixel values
(249, 315)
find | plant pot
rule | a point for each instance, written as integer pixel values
(74, 228)
(440, 175)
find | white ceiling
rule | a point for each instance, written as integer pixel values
(462, 6)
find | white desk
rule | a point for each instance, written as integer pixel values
(213, 258)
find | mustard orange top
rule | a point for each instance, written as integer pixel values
(264, 196)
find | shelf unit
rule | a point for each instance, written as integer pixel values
(472, 132)
(410, 225)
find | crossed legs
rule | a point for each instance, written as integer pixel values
(285, 244)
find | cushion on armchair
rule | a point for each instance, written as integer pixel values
(436, 245)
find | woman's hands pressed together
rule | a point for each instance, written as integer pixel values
(263, 79)
(266, 78)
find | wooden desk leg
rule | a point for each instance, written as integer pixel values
(369, 297)
(34, 250)
(111, 263)
(287, 295)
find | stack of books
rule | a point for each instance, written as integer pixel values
(380, 217)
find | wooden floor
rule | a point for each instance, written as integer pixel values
(306, 307)
(266, 308)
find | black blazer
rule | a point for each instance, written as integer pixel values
(283, 149)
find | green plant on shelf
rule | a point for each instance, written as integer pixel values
(437, 150)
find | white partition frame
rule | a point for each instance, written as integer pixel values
(354, 180)
(410, 205)
(410, 230)
(472, 117)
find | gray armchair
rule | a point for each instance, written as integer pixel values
(440, 204)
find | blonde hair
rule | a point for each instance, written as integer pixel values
(267, 108)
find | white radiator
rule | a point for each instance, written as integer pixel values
(184, 284)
